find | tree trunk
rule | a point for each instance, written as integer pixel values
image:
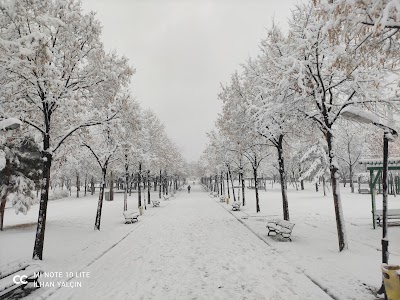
(256, 189)
(227, 184)
(351, 179)
(148, 187)
(160, 188)
(243, 189)
(2, 209)
(316, 186)
(78, 186)
(92, 185)
(139, 186)
(111, 186)
(233, 187)
(126, 183)
(44, 198)
(221, 183)
(86, 185)
(131, 184)
(166, 183)
(295, 181)
(324, 185)
(342, 239)
(282, 175)
(101, 197)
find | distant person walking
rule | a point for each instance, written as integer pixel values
(189, 189)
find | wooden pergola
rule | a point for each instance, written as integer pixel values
(377, 165)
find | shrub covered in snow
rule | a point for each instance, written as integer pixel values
(59, 195)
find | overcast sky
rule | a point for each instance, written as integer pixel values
(182, 50)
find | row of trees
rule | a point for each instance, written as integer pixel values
(282, 111)
(73, 99)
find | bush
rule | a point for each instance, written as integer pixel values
(59, 195)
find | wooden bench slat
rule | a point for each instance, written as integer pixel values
(7, 284)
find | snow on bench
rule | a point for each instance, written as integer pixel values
(166, 197)
(392, 214)
(236, 205)
(155, 203)
(7, 273)
(363, 191)
(222, 198)
(130, 216)
(282, 227)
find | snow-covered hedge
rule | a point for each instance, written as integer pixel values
(58, 195)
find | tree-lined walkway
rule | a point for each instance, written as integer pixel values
(194, 249)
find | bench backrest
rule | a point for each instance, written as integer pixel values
(390, 212)
(285, 224)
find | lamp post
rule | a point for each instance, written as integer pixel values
(390, 134)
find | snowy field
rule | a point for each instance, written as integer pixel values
(194, 247)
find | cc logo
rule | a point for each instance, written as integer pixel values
(18, 279)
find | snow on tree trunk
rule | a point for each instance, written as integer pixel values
(44, 197)
(333, 166)
(101, 197)
(282, 175)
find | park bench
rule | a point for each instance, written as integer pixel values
(155, 203)
(282, 227)
(236, 205)
(363, 191)
(392, 214)
(222, 198)
(130, 216)
(8, 272)
(166, 197)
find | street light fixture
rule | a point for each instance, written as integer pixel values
(390, 134)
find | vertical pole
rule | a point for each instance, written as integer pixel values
(385, 241)
(372, 189)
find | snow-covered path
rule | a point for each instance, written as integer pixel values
(192, 248)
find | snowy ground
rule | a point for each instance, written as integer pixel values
(193, 247)
(351, 274)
